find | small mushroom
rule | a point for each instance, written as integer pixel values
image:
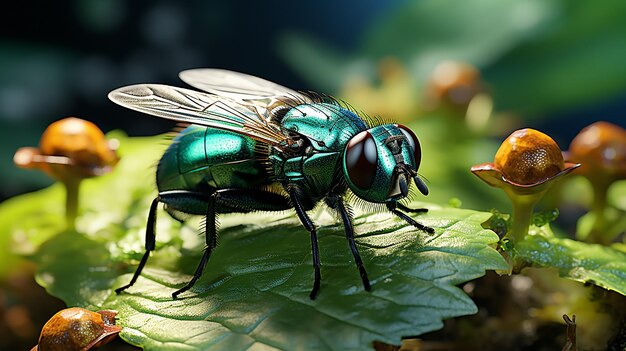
(458, 88)
(525, 166)
(454, 83)
(70, 150)
(77, 329)
(601, 148)
(391, 92)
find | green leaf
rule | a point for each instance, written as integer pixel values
(254, 291)
(588, 263)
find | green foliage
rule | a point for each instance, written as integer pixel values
(575, 260)
(449, 151)
(535, 55)
(544, 217)
(583, 46)
(254, 292)
(587, 263)
(614, 224)
(29, 220)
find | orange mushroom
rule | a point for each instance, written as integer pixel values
(454, 83)
(70, 150)
(525, 166)
(601, 148)
(77, 329)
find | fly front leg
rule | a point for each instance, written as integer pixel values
(335, 202)
(393, 207)
(310, 226)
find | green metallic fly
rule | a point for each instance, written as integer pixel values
(253, 145)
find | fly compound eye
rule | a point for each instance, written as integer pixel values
(361, 160)
(413, 143)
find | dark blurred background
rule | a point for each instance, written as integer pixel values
(556, 65)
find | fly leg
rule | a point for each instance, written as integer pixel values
(235, 200)
(211, 241)
(335, 202)
(393, 207)
(308, 225)
(411, 210)
(166, 197)
(150, 244)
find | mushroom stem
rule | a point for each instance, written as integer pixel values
(522, 214)
(71, 202)
(523, 206)
(597, 234)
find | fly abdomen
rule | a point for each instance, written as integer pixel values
(201, 159)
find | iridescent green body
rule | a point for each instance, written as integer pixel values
(202, 159)
(253, 145)
(325, 130)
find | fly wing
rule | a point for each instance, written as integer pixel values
(244, 88)
(189, 106)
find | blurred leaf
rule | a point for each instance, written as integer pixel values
(617, 195)
(424, 33)
(323, 67)
(421, 34)
(27, 221)
(254, 292)
(613, 225)
(576, 192)
(535, 55)
(449, 150)
(588, 263)
(585, 48)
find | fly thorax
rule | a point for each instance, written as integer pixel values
(326, 127)
(314, 172)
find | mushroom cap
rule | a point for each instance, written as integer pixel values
(78, 139)
(528, 157)
(525, 164)
(601, 148)
(70, 148)
(454, 82)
